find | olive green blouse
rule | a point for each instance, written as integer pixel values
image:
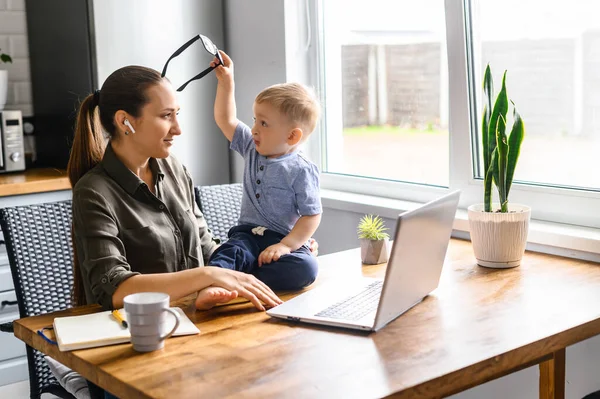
(122, 229)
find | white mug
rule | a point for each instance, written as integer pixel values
(147, 321)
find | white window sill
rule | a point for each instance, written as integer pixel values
(553, 238)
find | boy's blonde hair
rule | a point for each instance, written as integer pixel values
(294, 100)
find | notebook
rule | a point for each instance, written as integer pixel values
(101, 329)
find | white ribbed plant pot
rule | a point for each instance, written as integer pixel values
(3, 88)
(374, 252)
(499, 239)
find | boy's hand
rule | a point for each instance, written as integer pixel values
(314, 247)
(223, 72)
(273, 253)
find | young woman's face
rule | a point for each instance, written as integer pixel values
(157, 126)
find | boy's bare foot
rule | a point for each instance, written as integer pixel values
(211, 296)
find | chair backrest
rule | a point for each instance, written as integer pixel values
(221, 205)
(38, 243)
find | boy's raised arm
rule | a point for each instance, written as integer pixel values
(225, 110)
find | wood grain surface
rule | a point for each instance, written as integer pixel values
(479, 324)
(33, 181)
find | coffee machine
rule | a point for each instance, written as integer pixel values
(12, 154)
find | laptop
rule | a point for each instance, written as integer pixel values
(413, 271)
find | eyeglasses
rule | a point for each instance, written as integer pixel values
(208, 46)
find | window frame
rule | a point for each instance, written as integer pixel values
(553, 204)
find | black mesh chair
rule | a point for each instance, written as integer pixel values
(38, 243)
(221, 205)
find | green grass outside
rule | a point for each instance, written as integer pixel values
(387, 129)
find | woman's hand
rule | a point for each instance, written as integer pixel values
(246, 285)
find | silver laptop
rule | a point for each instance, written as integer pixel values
(413, 271)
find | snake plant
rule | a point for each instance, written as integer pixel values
(500, 152)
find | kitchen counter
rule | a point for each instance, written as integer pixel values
(37, 180)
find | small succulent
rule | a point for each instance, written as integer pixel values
(372, 227)
(4, 57)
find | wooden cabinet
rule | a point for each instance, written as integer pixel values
(13, 363)
(30, 187)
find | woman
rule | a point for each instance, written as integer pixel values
(136, 226)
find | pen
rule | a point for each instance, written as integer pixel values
(119, 318)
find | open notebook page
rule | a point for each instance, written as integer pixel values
(100, 329)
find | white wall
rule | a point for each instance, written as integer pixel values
(13, 41)
(147, 32)
(255, 41)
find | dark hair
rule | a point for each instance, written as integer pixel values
(125, 89)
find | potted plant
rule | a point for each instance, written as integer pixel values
(499, 230)
(373, 240)
(4, 58)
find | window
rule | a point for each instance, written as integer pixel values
(401, 86)
(553, 58)
(385, 64)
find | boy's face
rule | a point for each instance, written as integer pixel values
(271, 131)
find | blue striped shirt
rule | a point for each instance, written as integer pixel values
(277, 191)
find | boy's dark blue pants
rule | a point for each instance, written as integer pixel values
(291, 272)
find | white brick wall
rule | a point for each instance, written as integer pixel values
(13, 41)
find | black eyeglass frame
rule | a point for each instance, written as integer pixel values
(206, 42)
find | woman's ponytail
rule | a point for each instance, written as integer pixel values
(87, 151)
(88, 143)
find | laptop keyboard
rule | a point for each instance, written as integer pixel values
(357, 306)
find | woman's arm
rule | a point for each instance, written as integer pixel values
(109, 277)
(185, 282)
(208, 242)
(177, 285)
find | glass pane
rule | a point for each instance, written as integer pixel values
(386, 79)
(552, 54)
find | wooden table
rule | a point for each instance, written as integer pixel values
(480, 324)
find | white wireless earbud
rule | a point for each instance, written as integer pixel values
(128, 124)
